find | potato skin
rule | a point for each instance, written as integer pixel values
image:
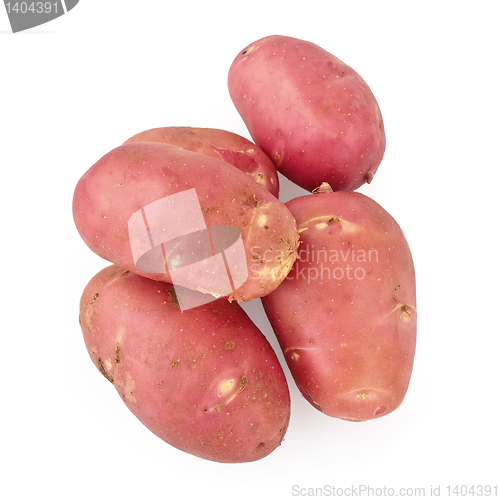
(134, 175)
(205, 380)
(313, 115)
(346, 316)
(220, 144)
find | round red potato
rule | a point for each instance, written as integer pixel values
(204, 380)
(167, 213)
(346, 316)
(313, 115)
(220, 144)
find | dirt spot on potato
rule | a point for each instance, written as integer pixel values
(128, 390)
(172, 297)
(119, 235)
(117, 354)
(333, 220)
(94, 298)
(89, 317)
(242, 384)
(229, 346)
(253, 201)
(405, 312)
(102, 369)
(257, 257)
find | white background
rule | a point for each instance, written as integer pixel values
(75, 88)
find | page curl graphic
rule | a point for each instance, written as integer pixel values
(28, 14)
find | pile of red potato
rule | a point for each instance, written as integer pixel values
(332, 268)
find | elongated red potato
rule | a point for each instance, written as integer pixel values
(204, 380)
(346, 315)
(313, 115)
(122, 208)
(220, 144)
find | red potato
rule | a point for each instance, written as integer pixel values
(205, 380)
(346, 316)
(313, 115)
(220, 144)
(135, 177)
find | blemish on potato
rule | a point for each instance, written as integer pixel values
(175, 363)
(248, 51)
(229, 345)
(172, 297)
(256, 256)
(90, 317)
(102, 369)
(380, 409)
(362, 395)
(117, 354)
(406, 312)
(129, 388)
(242, 384)
(94, 298)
